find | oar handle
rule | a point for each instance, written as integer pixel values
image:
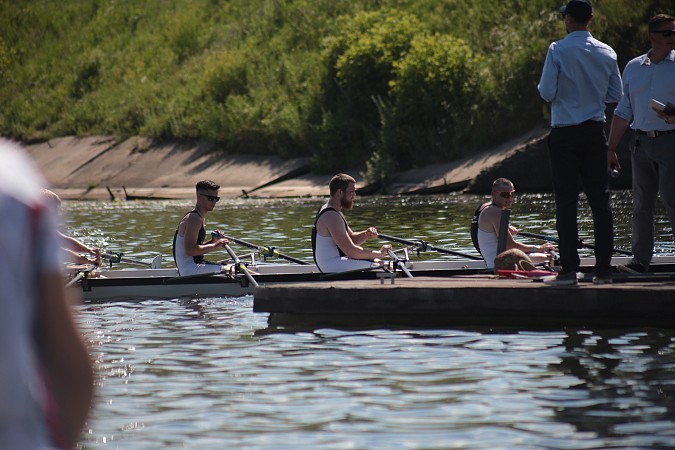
(424, 246)
(241, 266)
(581, 243)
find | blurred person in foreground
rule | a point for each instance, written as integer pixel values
(46, 377)
(652, 152)
(580, 76)
(74, 250)
(336, 248)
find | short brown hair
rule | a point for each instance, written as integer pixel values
(207, 185)
(659, 19)
(340, 181)
(500, 182)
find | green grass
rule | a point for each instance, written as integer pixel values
(391, 83)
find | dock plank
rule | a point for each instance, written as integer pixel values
(468, 300)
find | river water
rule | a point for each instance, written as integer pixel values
(211, 374)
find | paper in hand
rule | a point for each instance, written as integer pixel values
(668, 108)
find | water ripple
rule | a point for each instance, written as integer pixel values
(211, 374)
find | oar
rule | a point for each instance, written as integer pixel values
(399, 263)
(581, 243)
(424, 246)
(266, 251)
(81, 274)
(241, 266)
(115, 258)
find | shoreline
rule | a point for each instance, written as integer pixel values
(91, 168)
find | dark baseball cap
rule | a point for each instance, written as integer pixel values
(580, 10)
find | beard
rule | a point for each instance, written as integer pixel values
(346, 204)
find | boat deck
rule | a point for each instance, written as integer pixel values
(632, 300)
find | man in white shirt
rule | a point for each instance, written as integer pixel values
(648, 76)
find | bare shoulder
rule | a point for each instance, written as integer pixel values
(329, 220)
(490, 215)
(490, 211)
(328, 215)
(192, 219)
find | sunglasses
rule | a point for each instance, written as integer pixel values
(211, 198)
(664, 33)
(504, 194)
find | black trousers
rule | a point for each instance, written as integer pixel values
(579, 154)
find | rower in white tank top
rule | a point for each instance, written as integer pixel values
(335, 246)
(328, 256)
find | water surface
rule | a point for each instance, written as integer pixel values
(211, 374)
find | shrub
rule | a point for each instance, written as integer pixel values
(434, 91)
(360, 62)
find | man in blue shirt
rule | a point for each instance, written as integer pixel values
(649, 76)
(580, 76)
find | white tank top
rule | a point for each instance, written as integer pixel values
(488, 246)
(329, 260)
(187, 265)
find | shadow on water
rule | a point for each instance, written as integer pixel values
(626, 384)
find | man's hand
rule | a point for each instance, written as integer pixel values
(371, 232)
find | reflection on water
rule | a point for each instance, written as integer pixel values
(211, 374)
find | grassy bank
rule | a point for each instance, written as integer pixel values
(391, 83)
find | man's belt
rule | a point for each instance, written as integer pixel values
(655, 133)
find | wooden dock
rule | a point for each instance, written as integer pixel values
(471, 300)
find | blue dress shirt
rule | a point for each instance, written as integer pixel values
(580, 75)
(642, 81)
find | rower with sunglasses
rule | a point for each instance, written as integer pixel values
(487, 220)
(188, 241)
(648, 77)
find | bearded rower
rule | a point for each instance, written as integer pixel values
(335, 246)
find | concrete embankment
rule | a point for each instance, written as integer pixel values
(101, 167)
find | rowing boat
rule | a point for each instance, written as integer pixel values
(166, 283)
(139, 284)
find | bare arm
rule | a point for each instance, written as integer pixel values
(490, 220)
(362, 236)
(616, 132)
(66, 358)
(331, 223)
(77, 258)
(73, 244)
(190, 227)
(73, 249)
